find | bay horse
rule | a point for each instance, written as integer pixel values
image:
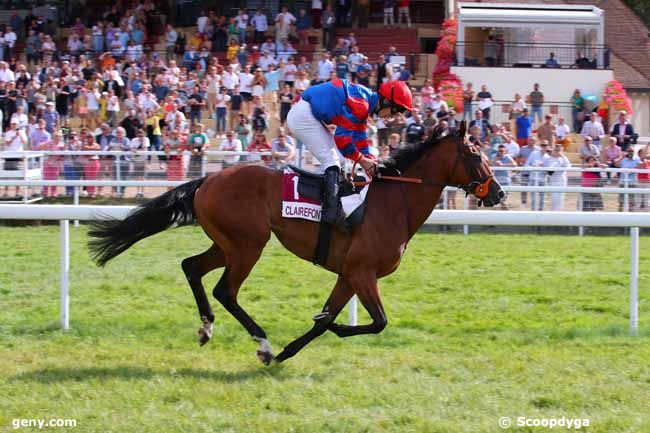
(239, 208)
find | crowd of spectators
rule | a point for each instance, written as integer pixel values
(110, 89)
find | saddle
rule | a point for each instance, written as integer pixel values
(302, 195)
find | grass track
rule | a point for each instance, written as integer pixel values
(479, 327)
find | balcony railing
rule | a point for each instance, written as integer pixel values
(532, 55)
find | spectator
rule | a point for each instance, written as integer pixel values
(557, 160)
(52, 163)
(267, 61)
(623, 131)
(551, 62)
(230, 144)
(260, 25)
(342, 68)
(242, 25)
(562, 132)
(154, 133)
(593, 129)
(611, 154)
(328, 23)
(627, 180)
(485, 101)
(502, 159)
(490, 51)
(363, 73)
(268, 46)
(588, 149)
(536, 100)
(174, 148)
(258, 85)
(283, 150)
(243, 130)
(260, 144)
(259, 115)
(222, 99)
(286, 101)
(644, 179)
(91, 164)
(389, 13)
(582, 62)
(236, 106)
(481, 123)
(198, 142)
(316, 11)
(524, 127)
(546, 131)
(283, 23)
(381, 68)
(403, 10)
(591, 179)
(521, 158)
(303, 24)
(138, 145)
(537, 177)
(577, 110)
(416, 131)
(196, 102)
(39, 136)
(121, 142)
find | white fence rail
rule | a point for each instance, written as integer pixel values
(634, 221)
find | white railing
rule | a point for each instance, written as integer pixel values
(634, 221)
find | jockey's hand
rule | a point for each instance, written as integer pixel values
(369, 165)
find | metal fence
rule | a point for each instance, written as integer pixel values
(529, 55)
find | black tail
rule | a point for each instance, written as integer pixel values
(112, 237)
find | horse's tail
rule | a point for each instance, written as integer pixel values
(112, 237)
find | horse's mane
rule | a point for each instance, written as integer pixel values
(408, 155)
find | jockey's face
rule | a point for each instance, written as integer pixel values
(385, 113)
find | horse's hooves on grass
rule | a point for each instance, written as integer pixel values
(265, 357)
(204, 335)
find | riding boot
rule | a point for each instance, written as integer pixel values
(330, 208)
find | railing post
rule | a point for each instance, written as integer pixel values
(445, 199)
(118, 174)
(75, 198)
(25, 188)
(352, 311)
(203, 168)
(581, 229)
(626, 197)
(65, 273)
(634, 280)
(465, 207)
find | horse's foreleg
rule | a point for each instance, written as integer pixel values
(340, 295)
(368, 293)
(195, 268)
(226, 292)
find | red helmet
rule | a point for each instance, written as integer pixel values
(398, 93)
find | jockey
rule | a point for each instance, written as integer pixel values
(348, 106)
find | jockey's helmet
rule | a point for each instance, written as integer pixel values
(398, 94)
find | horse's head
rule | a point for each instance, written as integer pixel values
(471, 171)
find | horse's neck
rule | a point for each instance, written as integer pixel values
(421, 198)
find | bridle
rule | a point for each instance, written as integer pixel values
(479, 188)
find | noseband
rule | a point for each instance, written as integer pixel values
(480, 188)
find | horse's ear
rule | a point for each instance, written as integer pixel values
(462, 129)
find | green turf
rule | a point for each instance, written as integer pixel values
(480, 327)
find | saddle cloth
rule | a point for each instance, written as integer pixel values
(302, 194)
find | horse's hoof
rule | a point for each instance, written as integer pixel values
(265, 357)
(205, 332)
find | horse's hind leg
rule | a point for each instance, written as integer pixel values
(195, 268)
(340, 296)
(368, 292)
(226, 292)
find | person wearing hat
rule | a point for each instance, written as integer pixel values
(348, 106)
(524, 127)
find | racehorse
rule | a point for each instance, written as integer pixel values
(239, 208)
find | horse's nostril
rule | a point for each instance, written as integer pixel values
(502, 194)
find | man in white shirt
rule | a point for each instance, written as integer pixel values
(242, 24)
(325, 66)
(6, 74)
(261, 25)
(230, 79)
(354, 60)
(20, 118)
(268, 46)
(594, 129)
(202, 22)
(283, 23)
(266, 60)
(10, 39)
(15, 141)
(538, 178)
(231, 144)
(562, 130)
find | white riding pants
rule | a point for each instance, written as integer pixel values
(313, 134)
